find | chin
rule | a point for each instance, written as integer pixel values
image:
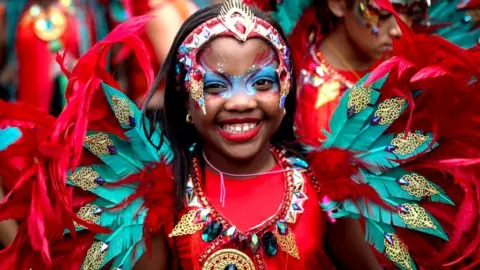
(243, 151)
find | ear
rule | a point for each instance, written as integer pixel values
(338, 7)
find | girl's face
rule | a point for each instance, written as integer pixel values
(241, 89)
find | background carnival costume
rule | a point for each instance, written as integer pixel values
(37, 30)
(321, 85)
(402, 154)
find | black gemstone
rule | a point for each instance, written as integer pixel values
(270, 244)
(390, 148)
(132, 120)
(99, 181)
(212, 231)
(376, 120)
(231, 267)
(351, 111)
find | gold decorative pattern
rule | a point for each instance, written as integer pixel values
(419, 186)
(327, 92)
(416, 217)
(285, 87)
(288, 244)
(85, 178)
(409, 145)
(186, 225)
(238, 18)
(224, 257)
(389, 110)
(359, 97)
(88, 214)
(98, 144)
(95, 256)
(398, 252)
(121, 109)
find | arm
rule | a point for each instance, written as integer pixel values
(161, 30)
(8, 228)
(345, 240)
(159, 258)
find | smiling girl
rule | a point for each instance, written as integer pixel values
(217, 180)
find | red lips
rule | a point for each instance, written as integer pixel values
(240, 137)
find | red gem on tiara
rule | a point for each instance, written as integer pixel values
(240, 27)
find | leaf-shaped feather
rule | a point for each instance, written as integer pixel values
(389, 149)
(344, 127)
(137, 127)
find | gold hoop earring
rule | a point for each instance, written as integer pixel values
(189, 118)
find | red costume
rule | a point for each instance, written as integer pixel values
(402, 155)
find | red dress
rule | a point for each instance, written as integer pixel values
(249, 206)
(320, 89)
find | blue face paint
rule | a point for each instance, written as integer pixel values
(258, 80)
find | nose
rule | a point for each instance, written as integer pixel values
(240, 102)
(394, 29)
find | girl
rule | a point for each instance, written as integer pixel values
(220, 182)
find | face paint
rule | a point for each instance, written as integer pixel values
(370, 15)
(261, 76)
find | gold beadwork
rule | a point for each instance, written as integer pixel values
(389, 110)
(398, 252)
(88, 214)
(284, 87)
(408, 145)
(98, 144)
(359, 97)
(186, 225)
(95, 256)
(196, 91)
(418, 186)
(85, 178)
(122, 110)
(416, 216)
(238, 18)
(224, 257)
(287, 243)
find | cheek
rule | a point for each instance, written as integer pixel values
(268, 102)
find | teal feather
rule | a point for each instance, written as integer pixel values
(289, 12)
(377, 213)
(378, 156)
(9, 136)
(125, 260)
(125, 162)
(387, 186)
(131, 156)
(460, 30)
(375, 235)
(121, 240)
(370, 133)
(344, 129)
(137, 137)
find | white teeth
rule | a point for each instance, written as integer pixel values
(239, 128)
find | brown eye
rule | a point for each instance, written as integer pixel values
(213, 88)
(263, 84)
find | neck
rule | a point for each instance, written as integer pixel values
(260, 162)
(342, 53)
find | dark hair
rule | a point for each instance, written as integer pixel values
(326, 19)
(182, 135)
